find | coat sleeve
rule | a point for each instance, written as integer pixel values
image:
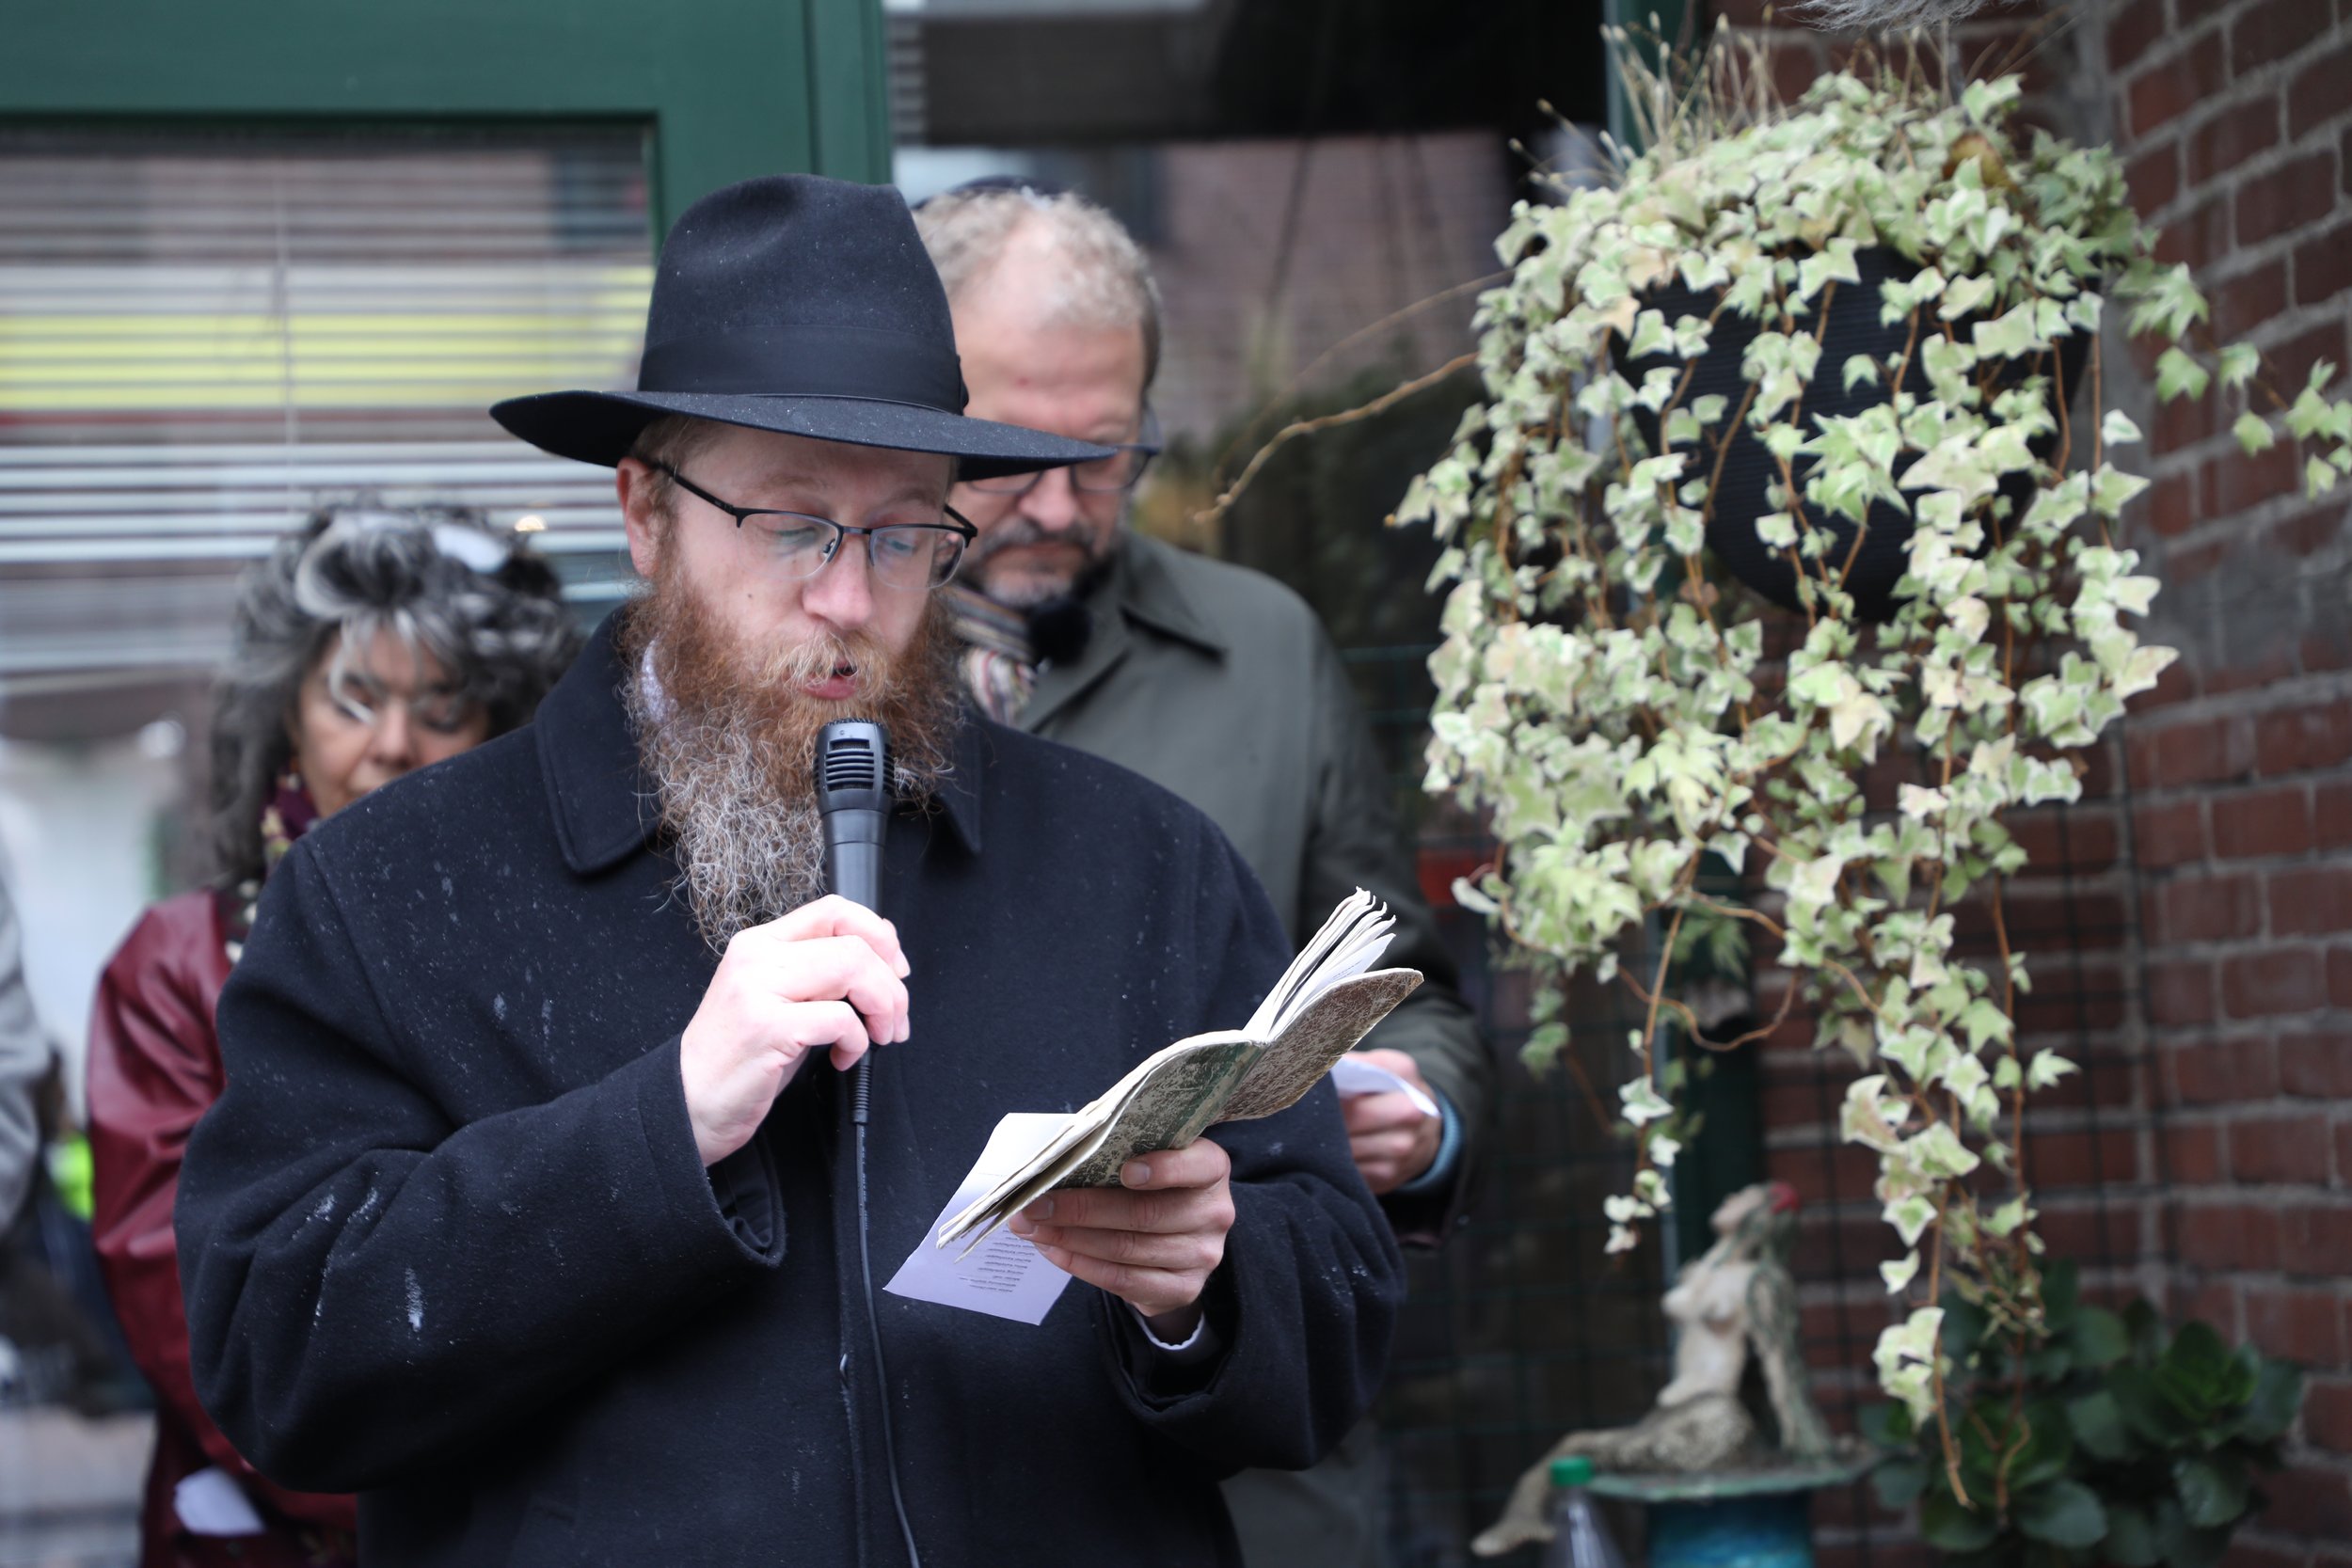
(24, 1057)
(1306, 1299)
(371, 1286)
(1353, 842)
(153, 1069)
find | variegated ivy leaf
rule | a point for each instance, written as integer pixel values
(1900, 1273)
(2178, 375)
(1603, 696)
(1642, 1102)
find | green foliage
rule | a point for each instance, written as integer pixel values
(1616, 708)
(2089, 1439)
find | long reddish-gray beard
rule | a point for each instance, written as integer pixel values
(729, 735)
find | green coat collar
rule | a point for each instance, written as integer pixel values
(1139, 588)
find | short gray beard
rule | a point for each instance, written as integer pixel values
(1017, 530)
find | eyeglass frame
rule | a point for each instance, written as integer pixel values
(1150, 447)
(958, 527)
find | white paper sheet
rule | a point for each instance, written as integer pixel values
(1003, 1276)
(210, 1502)
(1352, 1075)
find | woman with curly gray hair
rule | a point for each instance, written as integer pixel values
(371, 642)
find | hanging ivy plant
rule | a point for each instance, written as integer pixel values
(1625, 710)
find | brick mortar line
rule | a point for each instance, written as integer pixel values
(2260, 944)
(2287, 692)
(2173, 45)
(2175, 460)
(2176, 134)
(2276, 1200)
(2245, 1032)
(2227, 532)
(2123, 1119)
(2280, 692)
(2189, 460)
(2254, 947)
(2324, 137)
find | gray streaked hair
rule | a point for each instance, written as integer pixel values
(436, 577)
(1884, 16)
(1106, 283)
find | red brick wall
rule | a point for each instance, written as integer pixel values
(2234, 117)
(2195, 913)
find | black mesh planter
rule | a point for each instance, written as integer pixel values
(1748, 469)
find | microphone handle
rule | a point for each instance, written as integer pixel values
(854, 856)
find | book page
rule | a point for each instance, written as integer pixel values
(1161, 1096)
(1319, 1034)
(1349, 942)
(1005, 1278)
(1317, 1012)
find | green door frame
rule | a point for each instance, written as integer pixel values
(727, 89)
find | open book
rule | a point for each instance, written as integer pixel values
(1326, 1001)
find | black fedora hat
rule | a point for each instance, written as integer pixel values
(801, 305)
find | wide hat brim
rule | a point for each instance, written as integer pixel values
(601, 427)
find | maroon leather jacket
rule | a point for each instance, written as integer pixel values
(155, 1069)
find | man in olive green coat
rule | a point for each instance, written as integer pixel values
(1214, 681)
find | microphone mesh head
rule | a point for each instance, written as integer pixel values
(853, 760)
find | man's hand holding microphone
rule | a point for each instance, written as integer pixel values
(830, 976)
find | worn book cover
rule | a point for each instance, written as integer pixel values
(1325, 1002)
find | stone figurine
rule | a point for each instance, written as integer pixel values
(1736, 1296)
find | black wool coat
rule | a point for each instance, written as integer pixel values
(447, 1242)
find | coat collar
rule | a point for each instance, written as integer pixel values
(599, 796)
(1147, 591)
(1138, 588)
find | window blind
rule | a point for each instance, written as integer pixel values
(206, 335)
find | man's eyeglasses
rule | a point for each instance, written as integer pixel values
(902, 555)
(1102, 476)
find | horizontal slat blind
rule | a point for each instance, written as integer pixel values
(205, 337)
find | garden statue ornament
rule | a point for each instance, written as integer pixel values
(1735, 1297)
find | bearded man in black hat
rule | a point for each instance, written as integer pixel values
(528, 1212)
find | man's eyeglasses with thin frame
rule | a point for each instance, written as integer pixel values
(1102, 476)
(902, 555)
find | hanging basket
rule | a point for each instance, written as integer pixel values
(1847, 325)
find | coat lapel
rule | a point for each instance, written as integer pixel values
(599, 798)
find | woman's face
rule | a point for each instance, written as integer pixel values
(395, 708)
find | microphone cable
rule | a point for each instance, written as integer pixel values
(858, 1112)
(854, 800)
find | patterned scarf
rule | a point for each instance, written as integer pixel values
(290, 814)
(999, 663)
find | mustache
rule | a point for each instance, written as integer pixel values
(782, 670)
(1016, 532)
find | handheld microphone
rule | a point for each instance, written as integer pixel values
(853, 801)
